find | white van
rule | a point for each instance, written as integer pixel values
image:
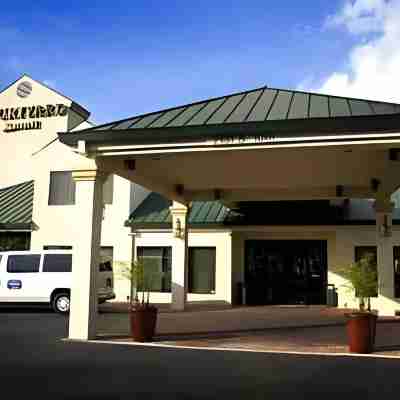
(45, 277)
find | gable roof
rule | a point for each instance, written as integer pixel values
(16, 205)
(262, 111)
(74, 106)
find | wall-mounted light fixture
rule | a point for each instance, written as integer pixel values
(385, 228)
(178, 231)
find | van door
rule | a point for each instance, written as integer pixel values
(20, 278)
(56, 273)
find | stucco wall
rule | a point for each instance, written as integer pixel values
(33, 154)
(17, 147)
(341, 242)
(347, 238)
(220, 240)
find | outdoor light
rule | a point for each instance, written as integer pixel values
(385, 228)
(178, 229)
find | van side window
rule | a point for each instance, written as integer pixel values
(57, 263)
(23, 263)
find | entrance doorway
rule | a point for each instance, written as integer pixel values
(285, 271)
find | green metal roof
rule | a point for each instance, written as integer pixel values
(16, 205)
(154, 211)
(263, 110)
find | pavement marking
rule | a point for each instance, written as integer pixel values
(289, 352)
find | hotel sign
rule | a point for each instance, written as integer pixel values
(27, 118)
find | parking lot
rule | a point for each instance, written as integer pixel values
(35, 362)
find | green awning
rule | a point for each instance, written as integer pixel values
(16, 205)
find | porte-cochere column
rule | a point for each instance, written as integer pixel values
(89, 205)
(179, 277)
(383, 212)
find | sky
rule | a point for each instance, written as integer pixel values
(123, 58)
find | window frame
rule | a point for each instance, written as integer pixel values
(70, 202)
(166, 265)
(367, 249)
(214, 271)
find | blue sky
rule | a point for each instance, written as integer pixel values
(123, 58)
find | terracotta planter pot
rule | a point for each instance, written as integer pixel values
(143, 323)
(361, 330)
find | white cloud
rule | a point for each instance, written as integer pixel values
(373, 67)
(360, 16)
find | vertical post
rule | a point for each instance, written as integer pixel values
(89, 205)
(383, 214)
(179, 256)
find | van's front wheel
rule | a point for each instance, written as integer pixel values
(61, 303)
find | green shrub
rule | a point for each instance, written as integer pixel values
(363, 279)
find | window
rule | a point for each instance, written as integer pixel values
(57, 263)
(23, 263)
(56, 247)
(362, 251)
(62, 188)
(202, 269)
(106, 258)
(157, 263)
(396, 262)
(108, 189)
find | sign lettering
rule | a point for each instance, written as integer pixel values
(21, 114)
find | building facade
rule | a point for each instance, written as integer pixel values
(245, 245)
(37, 193)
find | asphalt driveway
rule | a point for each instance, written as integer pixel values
(34, 362)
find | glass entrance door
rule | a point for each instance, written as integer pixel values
(285, 272)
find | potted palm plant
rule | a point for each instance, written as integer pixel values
(143, 315)
(361, 324)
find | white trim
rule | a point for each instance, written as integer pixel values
(233, 349)
(253, 147)
(247, 140)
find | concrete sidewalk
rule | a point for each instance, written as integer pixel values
(308, 329)
(217, 320)
(323, 339)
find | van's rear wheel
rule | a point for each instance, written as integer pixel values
(61, 303)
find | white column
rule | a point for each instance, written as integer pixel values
(89, 205)
(383, 212)
(179, 277)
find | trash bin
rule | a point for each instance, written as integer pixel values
(241, 294)
(331, 296)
